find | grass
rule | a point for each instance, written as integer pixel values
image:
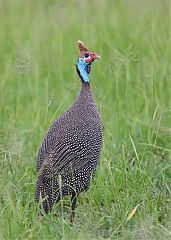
(131, 86)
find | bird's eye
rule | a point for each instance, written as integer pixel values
(86, 55)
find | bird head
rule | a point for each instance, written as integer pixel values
(86, 55)
(85, 60)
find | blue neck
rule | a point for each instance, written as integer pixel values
(83, 70)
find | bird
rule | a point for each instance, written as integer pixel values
(70, 152)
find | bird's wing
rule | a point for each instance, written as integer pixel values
(67, 156)
(60, 160)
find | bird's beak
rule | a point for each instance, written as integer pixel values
(96, 56)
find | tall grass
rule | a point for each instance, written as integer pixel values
(131, 86)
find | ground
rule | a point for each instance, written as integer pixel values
(131, 85)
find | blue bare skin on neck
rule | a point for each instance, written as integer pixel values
(83, 70)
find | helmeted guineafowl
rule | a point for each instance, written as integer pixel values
(70, 151)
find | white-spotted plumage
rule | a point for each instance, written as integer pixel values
(70, 151)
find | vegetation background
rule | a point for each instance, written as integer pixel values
(132, 88)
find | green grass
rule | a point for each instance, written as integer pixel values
(132, 89)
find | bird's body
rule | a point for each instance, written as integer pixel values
(69, 154)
